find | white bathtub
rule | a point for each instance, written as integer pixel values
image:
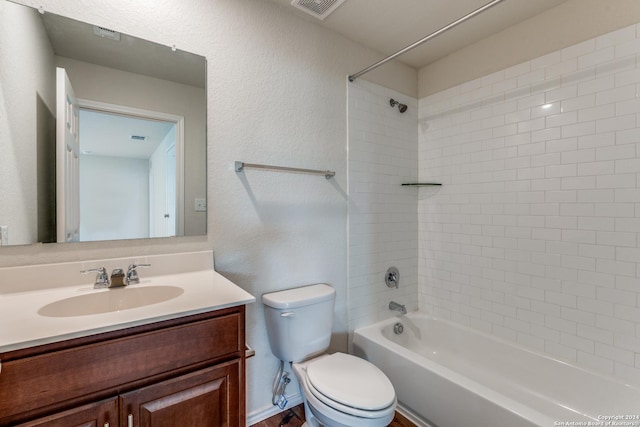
(452, 376)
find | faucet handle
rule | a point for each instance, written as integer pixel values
(102, 278)
(132, 273)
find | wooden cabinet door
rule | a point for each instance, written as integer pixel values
(205, 398)
(100, 414)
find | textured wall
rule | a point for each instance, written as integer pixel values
(534, 236)
(276, 95)
(25, 55)
(383, 218)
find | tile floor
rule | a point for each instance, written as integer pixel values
(294, 417)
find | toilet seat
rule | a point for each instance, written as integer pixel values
(350, 385)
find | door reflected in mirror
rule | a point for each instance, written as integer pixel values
(117, 153)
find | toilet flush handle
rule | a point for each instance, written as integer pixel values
(288, 314)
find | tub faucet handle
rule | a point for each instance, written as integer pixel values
(392, 277)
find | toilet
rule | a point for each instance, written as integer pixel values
(339, 390)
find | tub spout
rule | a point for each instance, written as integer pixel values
(397, 307)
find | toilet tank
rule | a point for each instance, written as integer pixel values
(299, 321)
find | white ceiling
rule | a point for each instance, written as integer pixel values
(106, 134)
(75, 39)
(390, 25)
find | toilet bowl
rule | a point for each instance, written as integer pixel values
(338, 390)
(341, 390)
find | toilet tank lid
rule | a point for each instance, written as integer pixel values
(299, 297)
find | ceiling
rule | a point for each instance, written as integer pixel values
(106, 134)
(76, 40)
(391, 25)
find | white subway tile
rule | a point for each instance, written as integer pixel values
(504, 86)
(578, 102)
(616, 124)
(597, 140)
(596, 251)
(530, 101)
(559, 95)
(627, 195)
(562, 144)
(629, 48)
(580, 129)
(616, 181)
(628, 136)
(544, 110)
(617, 354)
(559, 171)
(578, 156)
(582, 344)
(616, 152)
(617, 94)
(578, 316)
(596, 85)
(631, 106)
(533, 77)
(535, 235)
(563, 68)
(628, 77)
(578, 49)
(578, 183)
(616, 238)
(596, 113)
(595, 58)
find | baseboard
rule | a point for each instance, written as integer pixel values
(411, 416)
(261, 415)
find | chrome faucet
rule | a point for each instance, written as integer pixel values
(132, 273)
(102, 278)
(397, 307)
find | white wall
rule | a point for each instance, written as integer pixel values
(276, 93)
(114, 198)
(25, 58)
(383, 215)
(534, 235)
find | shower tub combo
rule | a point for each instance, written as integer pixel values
(448, 375)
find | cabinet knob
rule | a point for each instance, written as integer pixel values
(106, 424)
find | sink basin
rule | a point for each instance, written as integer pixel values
(111, 300)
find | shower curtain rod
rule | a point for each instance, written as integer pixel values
(423, 40)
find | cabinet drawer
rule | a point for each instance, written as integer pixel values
(48, 379)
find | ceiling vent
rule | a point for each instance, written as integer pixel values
(106, 33)
(318, 8)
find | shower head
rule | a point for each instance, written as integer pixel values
(401, 107)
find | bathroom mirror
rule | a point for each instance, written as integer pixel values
(102, 135)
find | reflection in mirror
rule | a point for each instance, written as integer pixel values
(128, 118)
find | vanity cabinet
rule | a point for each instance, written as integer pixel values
(188, 371)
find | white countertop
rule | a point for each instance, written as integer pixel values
(23, 324)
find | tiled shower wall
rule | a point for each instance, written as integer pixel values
(383, 215)
(535, 234)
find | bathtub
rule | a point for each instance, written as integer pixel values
(447, 375)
